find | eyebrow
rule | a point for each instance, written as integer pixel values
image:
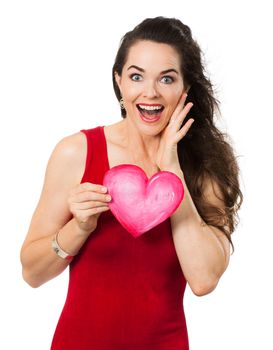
(163, 72)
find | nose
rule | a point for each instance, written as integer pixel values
(150, 90)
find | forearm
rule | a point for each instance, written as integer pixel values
(200, 252)
(39, 261)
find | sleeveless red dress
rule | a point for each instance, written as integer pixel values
(124, 293)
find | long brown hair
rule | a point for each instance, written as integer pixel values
(205, 152)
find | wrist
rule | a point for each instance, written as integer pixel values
(59, 250)
(82, 229)
(72, 237)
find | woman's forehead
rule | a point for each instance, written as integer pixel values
(149, 54)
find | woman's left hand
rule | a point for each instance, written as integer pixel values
(167, 157)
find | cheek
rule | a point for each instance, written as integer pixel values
(174, 95)
(131, 92)
(173, 101)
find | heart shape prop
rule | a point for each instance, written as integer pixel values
(140, 204)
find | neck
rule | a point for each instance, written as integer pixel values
(140, 145)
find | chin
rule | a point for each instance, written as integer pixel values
(153, 130)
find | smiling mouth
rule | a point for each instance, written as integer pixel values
(150, 110)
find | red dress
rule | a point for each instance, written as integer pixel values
(124, 293)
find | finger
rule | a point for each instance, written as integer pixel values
(93, 211)
(179, 107)
(185, 129)
(180, 104)
(88, 186)
(90, 196)
(87, 205)
(177, 121)
(183, 99)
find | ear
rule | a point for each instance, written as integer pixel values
(118, 80)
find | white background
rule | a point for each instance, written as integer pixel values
(55, 79)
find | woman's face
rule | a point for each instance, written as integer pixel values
(151, 85)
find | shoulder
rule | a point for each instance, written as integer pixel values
(68, 157)
(71, 146)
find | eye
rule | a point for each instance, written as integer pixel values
(135, 77)
(167, 79)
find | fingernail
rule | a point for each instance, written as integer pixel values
(104, 189)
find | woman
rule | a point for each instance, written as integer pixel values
(127, 293)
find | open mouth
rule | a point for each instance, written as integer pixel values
(150, 111)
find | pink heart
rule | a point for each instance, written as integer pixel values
(140, 204)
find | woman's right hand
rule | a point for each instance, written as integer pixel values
(86, 202)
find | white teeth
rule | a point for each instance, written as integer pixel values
(150, 108)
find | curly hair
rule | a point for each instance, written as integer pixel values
(205, 152)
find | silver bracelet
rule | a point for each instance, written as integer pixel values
(58, 250)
